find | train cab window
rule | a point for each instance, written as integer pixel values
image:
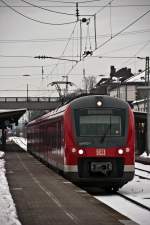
(99, 123)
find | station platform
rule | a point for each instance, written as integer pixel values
(43, 197)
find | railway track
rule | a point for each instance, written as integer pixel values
(141, 173)
(137, 203)
(129, 197)
(133, 199)
(142, 170)
(128, 204)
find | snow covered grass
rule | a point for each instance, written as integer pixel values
(8, 215)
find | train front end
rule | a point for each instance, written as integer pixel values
(99, 141)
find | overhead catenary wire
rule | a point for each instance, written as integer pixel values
(49, 10)
(57, 1)
(109, 34)
(73, 66)
(122, 30)
(59, 58)
(72, 2)
(118, 32)
(113, 36)
(27, 66)
(72, 60)
(110, 20)
(36, 20)
(57, 39)
(125, 47)
(137, 52)
(70, 37)
(116, 57)
(39, 74)
(42, 57)
(81, 6)
(106, 5)
(16, 56)
(89, 1)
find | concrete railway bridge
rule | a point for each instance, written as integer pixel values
(30, 103)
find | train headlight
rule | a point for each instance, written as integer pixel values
(80, 151)
(99, 103)
(120, 151)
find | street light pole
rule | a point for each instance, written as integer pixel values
(27, 75)
(147, 83)
(27, 91)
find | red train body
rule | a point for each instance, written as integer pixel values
(91, 140)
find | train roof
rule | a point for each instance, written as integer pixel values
(91, 101)
(84, 101)
(49, 115)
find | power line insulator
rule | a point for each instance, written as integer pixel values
(89, 52)
(84, 20)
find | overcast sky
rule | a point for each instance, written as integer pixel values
(122, 30)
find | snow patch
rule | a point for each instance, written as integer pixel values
(8, 215)
(2, 154)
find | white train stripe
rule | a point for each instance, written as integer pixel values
(70, 168)
(129, 168)
(74, 168)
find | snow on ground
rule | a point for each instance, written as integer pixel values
(141, 166)
(138, 190)
(22, 142)
(8, 215)
(136, 214)
(144, 155)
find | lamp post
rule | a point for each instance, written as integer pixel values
(147, 83)
(28, 112)
(27, 75)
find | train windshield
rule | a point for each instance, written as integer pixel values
(99, 123)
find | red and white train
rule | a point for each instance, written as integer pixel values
(90, 140)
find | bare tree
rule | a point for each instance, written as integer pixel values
(89, 83)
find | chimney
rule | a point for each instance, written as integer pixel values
(112, 71)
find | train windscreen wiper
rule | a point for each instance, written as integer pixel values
(106, 132)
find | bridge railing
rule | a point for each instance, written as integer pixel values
(29, 99)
